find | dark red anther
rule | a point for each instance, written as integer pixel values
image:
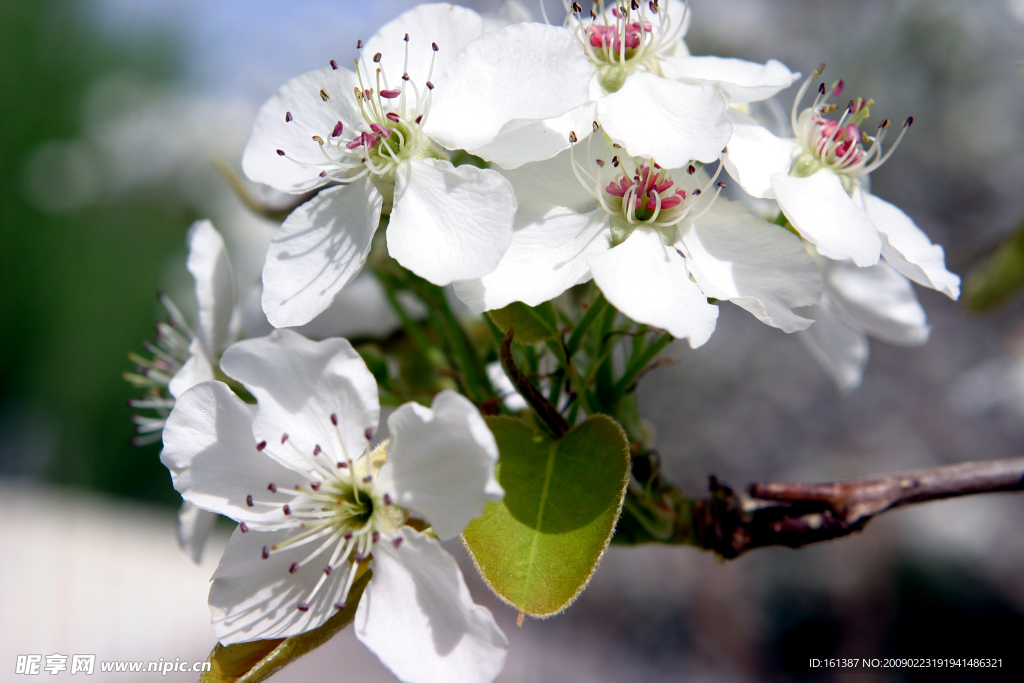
(359, 45)
(406, 39)
(291, 569)
(334, 65)
(302, 607)
(392, 116)
(909, 122)
(348, 536)
(288, 118)
(430, 86)
(248, 500)
(390, 94)
(434, 47)
(368, 433)
(419, 119)
(398, 541)
(821, 89)
(243, 527)
(284, 437)
(272, 487)
(387, 499)
(339, 605)
(287, 510)
(405, 76)
(375, 537)
(334, 419)
(323, 174)
(315, 486)
(720, 184)
(342, 465)
(280, 152)
(376, 58)
(317, 450)
(327, 570)
(367, 479)
(266, 552)
(338, 128)
(691, 169)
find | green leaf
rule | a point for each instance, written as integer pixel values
(538, 548)
(261, 659)
(532, 324)
(1000, 278)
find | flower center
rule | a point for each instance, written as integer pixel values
(839, 145)
(640, 193)
(391, 130)
(341, 513)
(625, 38)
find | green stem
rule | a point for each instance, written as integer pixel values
(576, 338)
(478, 386)
(637, 366)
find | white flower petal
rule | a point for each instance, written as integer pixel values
(546, 258)
(195, 370)
(417, 616)
(822, 211)
(310, 116)
(256, 599)
(210, 451)
(450, 26)
(450, 223)
(649, 283)
(361, 309)
(908, 249)
(194, 527)
(840, 349)
(318, 249)
(547, 185)
(522, 141)
(759, 266)
(298, 385)
(668, 121)
(877, 300)
(519, 73)
(743, 81)
(215, 324)
(441, 462)
(754, 154)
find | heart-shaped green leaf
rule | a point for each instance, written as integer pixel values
(532, 324)
(261, 659)
(538, 548)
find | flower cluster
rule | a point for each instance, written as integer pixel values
(514, 161)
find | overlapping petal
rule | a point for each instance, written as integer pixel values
(211, 453)
(319, 248)
(450, 223)
(253, 597)
(908, 249)
(194, 527)
(441, 462)
(877, 300)
(299, 384)
(761, 267)
(824, 213)
(417, 616)
(649, 282)
(839, 348)
(668, 121)
(743, 81)
(754, 154)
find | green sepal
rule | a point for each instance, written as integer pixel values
(541, 545)
(261, 659)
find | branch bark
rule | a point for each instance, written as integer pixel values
(795, 514)
(547, 412)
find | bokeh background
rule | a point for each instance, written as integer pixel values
(111, 114)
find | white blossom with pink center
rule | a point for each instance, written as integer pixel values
(316, 505)
(655, 241)
(374, 141)
(819, 179)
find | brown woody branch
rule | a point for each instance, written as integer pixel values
(794, 514)
(545, 411)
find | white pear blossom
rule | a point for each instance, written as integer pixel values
(654, 240)
(374, 141)
(315, 505)
(856, 303)
(819, 178)
(648, 93)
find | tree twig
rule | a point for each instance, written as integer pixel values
(794, 514)
(547, 412)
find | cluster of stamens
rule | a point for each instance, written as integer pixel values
(341, 511)
(840, 145)
(639, 192)
(170, 351)
(627, 35)
(393, 118)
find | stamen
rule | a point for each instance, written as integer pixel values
(288, 118)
